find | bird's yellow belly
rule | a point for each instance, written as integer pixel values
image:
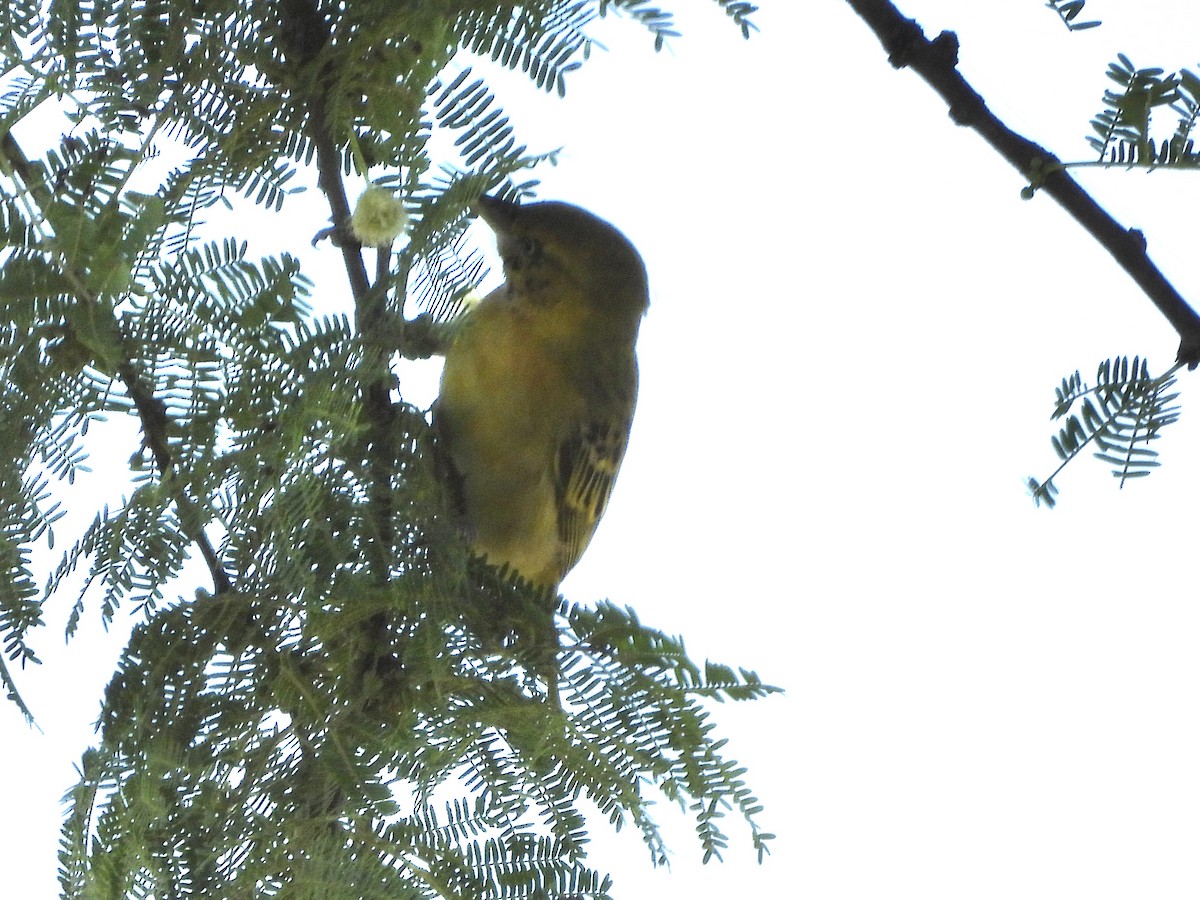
(502, 403)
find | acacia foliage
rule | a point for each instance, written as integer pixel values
(349, 705)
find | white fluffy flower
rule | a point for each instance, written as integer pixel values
(379, 217)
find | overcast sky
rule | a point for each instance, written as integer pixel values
(855, 332)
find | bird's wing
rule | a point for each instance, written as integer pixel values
(585, 470)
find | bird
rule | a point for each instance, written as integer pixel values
(539, 387)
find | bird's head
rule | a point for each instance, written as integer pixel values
(549, 245)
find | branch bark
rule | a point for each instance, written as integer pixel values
(936, 61)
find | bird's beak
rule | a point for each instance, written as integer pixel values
(499, 214)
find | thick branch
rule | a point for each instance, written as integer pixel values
(936, 61)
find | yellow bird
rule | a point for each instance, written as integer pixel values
(540, 381)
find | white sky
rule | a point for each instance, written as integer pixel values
(848, 367)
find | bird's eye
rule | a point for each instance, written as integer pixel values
(519, 250)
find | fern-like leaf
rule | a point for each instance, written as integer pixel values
(1119, 417)
(1068, 11)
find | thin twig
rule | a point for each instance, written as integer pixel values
(936, 61)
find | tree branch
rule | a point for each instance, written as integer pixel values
(153, 414)
(151, 411)
(306, 32)
(936, 61)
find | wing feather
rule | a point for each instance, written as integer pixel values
(586, 469)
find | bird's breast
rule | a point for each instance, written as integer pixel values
(506, 371)
(506, 397)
